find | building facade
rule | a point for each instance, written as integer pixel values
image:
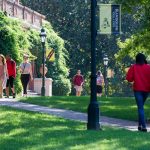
(30, 18)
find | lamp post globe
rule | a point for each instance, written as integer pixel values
(43, 39)
(43, 35)
(105, 59)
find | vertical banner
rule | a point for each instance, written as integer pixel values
(116, 19)
(50, 55)
(109, 19)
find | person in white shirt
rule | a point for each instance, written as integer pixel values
(99, 83)
(26, 73)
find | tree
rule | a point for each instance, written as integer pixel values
(139, 41)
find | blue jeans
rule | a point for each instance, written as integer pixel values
(140, 100)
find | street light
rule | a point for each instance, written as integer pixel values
(105, 59)
(93, 108)
(43, 39)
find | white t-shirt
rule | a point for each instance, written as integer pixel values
(26, 68)
(99, 80)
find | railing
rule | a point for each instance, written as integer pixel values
(14, 9)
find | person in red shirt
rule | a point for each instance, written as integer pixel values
(139, 75)
(11, 67)
(78, 81)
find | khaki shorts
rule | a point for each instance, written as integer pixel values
(78, 88)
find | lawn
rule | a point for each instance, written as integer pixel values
(23, 130)
(123, 108)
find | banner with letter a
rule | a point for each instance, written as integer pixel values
(109, 19)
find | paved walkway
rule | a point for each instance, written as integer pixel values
(68, 114)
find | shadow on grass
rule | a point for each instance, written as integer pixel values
(28, 130)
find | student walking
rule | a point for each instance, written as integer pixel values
(99, 83)
(78, 81)
(11, 67)
(26, 73)
(139, 74)
(3, 74)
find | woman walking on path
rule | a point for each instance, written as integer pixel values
(139, 74)
(11, 67)
(26, 73)
(99, 83)
(78, 81)
(3, 74)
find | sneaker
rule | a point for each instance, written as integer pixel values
(6, 96)
(14, 95)
(144, 130)
(139, 128)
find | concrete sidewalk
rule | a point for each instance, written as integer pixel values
(68, 114)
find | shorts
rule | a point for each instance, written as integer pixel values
(78, 88)
(99, 89)
(10, 82)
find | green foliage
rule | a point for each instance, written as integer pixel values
(57, 70)
(12, 39)
(61, 86)
(15, 40)
(18, 85)
(139, 41)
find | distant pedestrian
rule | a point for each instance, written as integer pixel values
(11, 67)
(78, 81)
(26, 73)
(139, 74)
(99, 83)
(3, 74)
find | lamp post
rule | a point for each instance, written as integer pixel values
(105, 59)
(43, 39)
(93, 108)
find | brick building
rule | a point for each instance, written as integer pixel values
(30, 18)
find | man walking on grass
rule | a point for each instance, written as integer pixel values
(11, 67)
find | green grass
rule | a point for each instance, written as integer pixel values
(22, 130)
(123, 108)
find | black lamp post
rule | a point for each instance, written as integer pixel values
(105, 59)
(43, 39)
(93, 108)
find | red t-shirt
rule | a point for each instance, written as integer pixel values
(78, 80)
(11, 67)
(140, 76)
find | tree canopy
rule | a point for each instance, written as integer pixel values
(139, 41)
